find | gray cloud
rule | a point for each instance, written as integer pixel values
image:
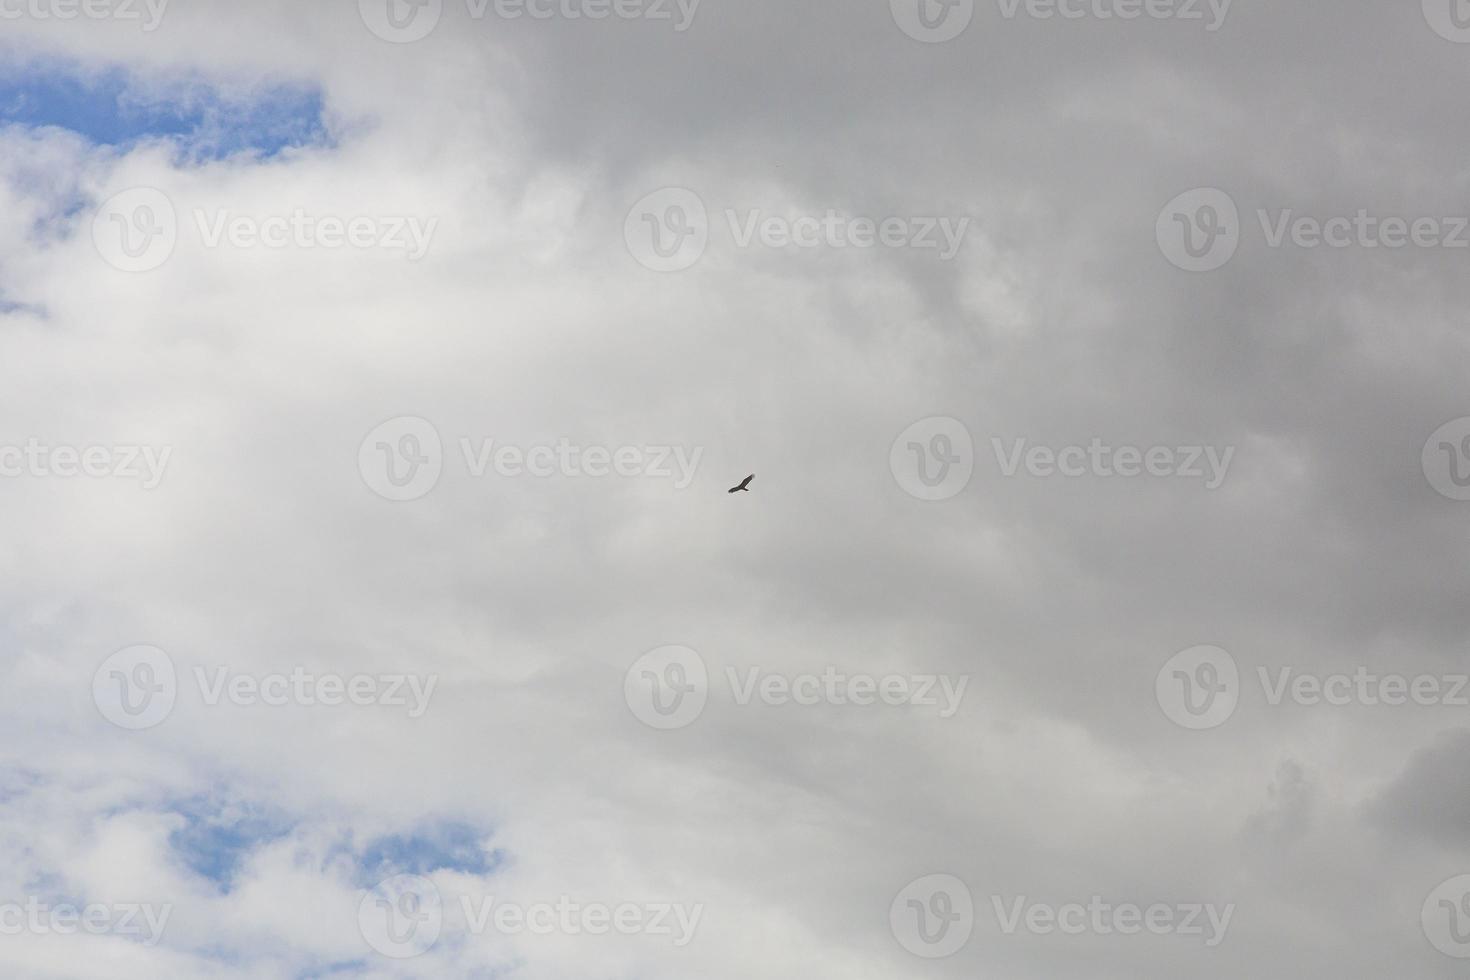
(529, 321)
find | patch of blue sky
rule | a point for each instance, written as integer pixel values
(218, 835)
(200, 119)
(9, 306)
(440, 845)
(346, 967)
(17, 781)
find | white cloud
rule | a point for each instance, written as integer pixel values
(528, 321)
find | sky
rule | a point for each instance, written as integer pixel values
(373, 376)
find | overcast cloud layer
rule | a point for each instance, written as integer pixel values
(1098, 609)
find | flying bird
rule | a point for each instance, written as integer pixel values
(744, 485)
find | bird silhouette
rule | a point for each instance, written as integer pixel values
(744, 485)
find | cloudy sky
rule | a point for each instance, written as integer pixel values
(373, 374)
